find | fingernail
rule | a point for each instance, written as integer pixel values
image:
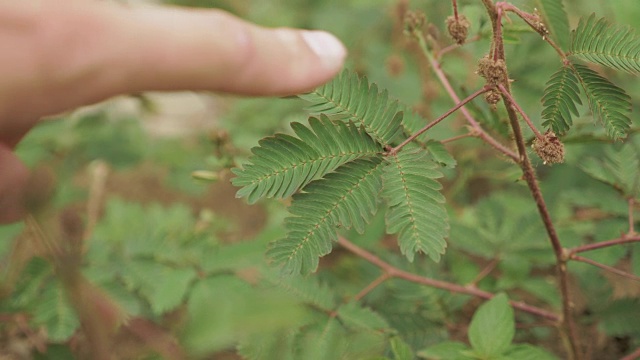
(326, 46)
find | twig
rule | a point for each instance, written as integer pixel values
(530, 177)
(486, 271)
(606, 267)
(513, 103)
(633, 356)
(435, 65)
(455, 9)
(457, 137)
(374, 284)
(602, 244)
(632, 204)
(393, 271)
(438, 120)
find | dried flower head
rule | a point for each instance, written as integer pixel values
(492, 96)
(414, 21)
(495, 72)
(458, 28)
(549, 148)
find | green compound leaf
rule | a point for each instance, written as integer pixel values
(492, 328)
(559, 100)
(355, 316)
(283, 164)
(620, 168)
(346, 197)
(556, 20)
(416, 209)
(598, 41)
(608, 103)
(349, 97)
(54, 312)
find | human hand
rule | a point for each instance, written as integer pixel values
(58, 55)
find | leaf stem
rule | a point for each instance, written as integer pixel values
(515, 104)
(455, 9)
(458, 137)
(486, 271)
(394, 272)
(625, 239)
(632, 204)
(374, 284)
(606, 267)
(460, 104)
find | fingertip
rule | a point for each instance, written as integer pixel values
(328, 48)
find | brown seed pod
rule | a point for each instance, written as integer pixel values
(458, 28)
(414, 21)
(495, 72)
(492, 97)
(549, 148)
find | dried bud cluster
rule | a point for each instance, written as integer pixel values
(458, 28)
(414, 21)
(492, 96)
(495, 72)
(549, 148)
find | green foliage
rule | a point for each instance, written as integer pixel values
(352, 98)
(283, 164)
(608, 103)
(415, 204)
(559, 100)
(619, 168)
(346, 197)
(492, 327)
(556, 20)
(599, 41)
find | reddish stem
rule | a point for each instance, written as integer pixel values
(486, 271)
(374, 284)
(393, 271)
(515, 104)
(606, 267)
(455, 9)
(632, 204)
(458, 137)
(395, 150)
(602, 244)
(633, 356)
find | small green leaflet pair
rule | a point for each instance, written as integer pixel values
(597, 41)
(335, 170)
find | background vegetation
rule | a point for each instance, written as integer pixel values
(161, 265)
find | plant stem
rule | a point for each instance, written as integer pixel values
(435, 65)
(395, 150)
(457, 137)
(602, 244)
(633, 356)
(393, 271)
(374, 284)
(455, 9)
(529, 175)
(515, 104)
(632, 204)
(606, 267)
(486, 271)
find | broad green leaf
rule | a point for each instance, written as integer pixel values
(416, 210)
(609, 104)
(450, 350)
(400, 349)
(599, 41)
(492, 327)
(556, 20)
(351, 98)
(561, 95)
(347, 197)
(528, 352)
(283, 164)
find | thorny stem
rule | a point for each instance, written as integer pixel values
(436, 121)
(374, 284)
(530, 177)
(455, 9)
(535, 23)
(394, 272)
(606, 267)
(435, 65)
(625, 239)
(513, 103)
